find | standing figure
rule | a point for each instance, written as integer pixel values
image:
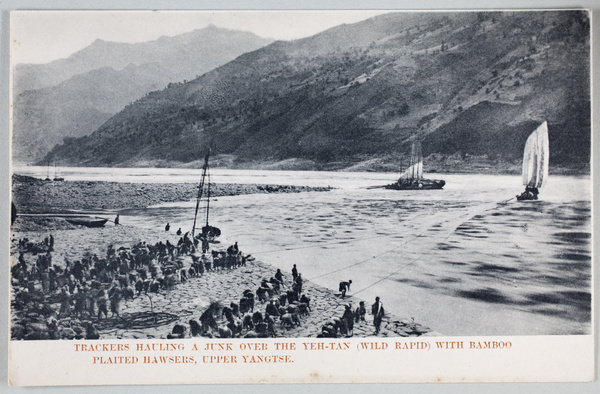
(117, 220)
(294, 273)
(361, 311)
(299, 283)
(167, 227)
(65, 303)
(348, 320)
(115, 294)
(205, 246)
(79, 297)
(378, 312)
(102, 302)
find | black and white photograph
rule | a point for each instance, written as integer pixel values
(249, 175)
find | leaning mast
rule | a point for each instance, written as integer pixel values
(200, 189)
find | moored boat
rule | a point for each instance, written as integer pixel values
(209, 233)
(87, 221)
(412, 178)
(56, 177)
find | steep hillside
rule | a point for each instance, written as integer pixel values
(77, 107)
(79, 94)
(466, 84)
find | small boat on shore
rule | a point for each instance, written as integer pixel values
(412, 177)
(535, 162)
(87, 221)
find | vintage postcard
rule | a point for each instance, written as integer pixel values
(300, 196)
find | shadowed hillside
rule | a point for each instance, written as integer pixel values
(356, 96)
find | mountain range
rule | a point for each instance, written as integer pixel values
(73, 97)
(470, 86)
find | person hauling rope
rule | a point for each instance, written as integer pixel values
(344, 287)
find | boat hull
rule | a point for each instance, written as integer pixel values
(92, 223)
(527, 197)
(423, 184)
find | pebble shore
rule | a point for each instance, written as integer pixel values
(186, 300)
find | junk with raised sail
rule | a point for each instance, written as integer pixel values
(535, 162)
(412, 178)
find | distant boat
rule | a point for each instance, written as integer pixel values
(412, 177)
(535, 162)
(87, 222)
(48, 173)
(56, 177)
(208, 232)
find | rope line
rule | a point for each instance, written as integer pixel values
(391, 250)
(371, 258)
(413, 260)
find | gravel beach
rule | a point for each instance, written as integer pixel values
(154, 315)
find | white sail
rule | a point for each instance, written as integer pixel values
(412, 172)
(535, 157)
(415, 167)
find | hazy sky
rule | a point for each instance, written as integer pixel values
(43, 36)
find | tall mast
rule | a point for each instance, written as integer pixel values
(207, 194)
(200, 188)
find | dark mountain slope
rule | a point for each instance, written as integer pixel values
(464, 83)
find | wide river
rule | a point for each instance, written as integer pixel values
(466, 260)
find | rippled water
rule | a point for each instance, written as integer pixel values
(466, 260)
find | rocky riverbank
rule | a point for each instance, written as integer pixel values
(36, 312)
(33, 195)
(36, 196)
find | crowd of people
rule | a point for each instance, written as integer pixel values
(277, 304)
(344, 325)
(93, 288)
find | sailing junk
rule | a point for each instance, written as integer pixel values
(208, 232)
(412, 178)
(535, 162)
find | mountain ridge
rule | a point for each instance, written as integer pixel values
(459, 82)
(73, 97)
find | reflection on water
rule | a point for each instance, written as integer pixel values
(466, 260)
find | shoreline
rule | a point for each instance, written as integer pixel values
(32, 195)
(185, 300)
